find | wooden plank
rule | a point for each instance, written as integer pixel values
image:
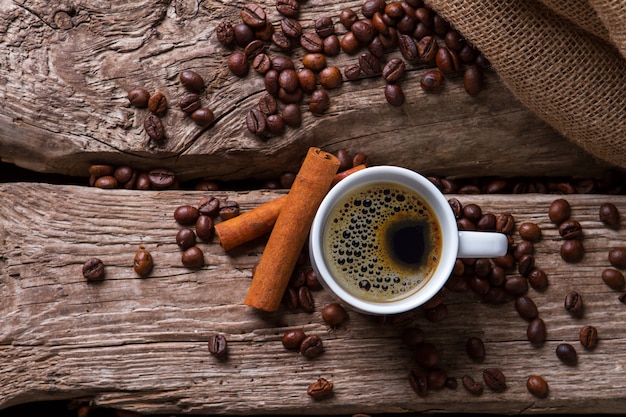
(141, 343)
(66, 72)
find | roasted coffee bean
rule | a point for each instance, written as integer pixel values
(352, 72)
(394, 95)
(291, 28)
(186, 215)
(205, 228)
(271, 82)
(290, 298)
(143, 181)
(138, 97)
(426, 355)
(614, 279)
(413, 336)
(525, 264)
(161, 178)
(157, 103)
(106, 182)
(465, 224)
(93, 270)
(505, 223)
(418, 380)
(288, 8)
(447, 61)
(468, 55)
(559, 211)
(229, 209)
(193, 257)
(143, 263)
(588, 337)
(572, 251)
(265, 33)
(311, 346)
(191, 80)
(487, 222)
(238, 64)
(469, 188)
(225, 33)
(345, 159)
(471, 385)
(480, 286)
(218, 345)
(506, 262)
(185, 238)
(101, 170)
(494, 379)
(370, 65)
(292, 115)
(427, 49)
(275, 124)
(609, 215)
(293, 97)
(282, 63)
(324, 27)
(617, 257)
(574, 304)
(347, 17)
(536, 332)
(154, 128)
(311, 42)
(314, 62)
(473, 80)
(363, 31)
(256, 122)
(190, 103)
(262, 63)
(451, 383)
(332, 47)
(516, 286)
(537, 386)
(497, 276)
(475, 349)
(334, 314)
(349, 43)
(253, 49)
(437, 379)
(305, 299)
(203, 117)
(282, 41)
(319, 389)
(538, 279)
(268, 104)
(319, 102)
(570, 229)
(311, 280)
(567, 354)
(408, 48)
(454, 40)
(123, 174)
(431, 80)
(526, 308)
(530, 231)
(393, 70)
(330, 77)
(244, 34)
(425, 16)
(288, 80)
(360, 159)
(524, 247)
(253, 15)
(379, 23)
(369, 7)
(292, 339)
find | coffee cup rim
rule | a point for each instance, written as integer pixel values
(436, 200)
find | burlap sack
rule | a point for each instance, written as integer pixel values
(563, 59)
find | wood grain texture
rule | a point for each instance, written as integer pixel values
(141, 343)
(66, 71)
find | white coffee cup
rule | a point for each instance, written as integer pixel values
(454, 243)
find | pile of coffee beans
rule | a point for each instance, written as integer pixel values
(110, 176)
(423, 38)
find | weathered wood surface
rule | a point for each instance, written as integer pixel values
(140, 344)
(65, 72)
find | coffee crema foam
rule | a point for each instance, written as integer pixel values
(382, 242)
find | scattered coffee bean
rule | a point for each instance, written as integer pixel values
(292, 115)
(408, 48)
(157, 103)
(471, 385)
(293, 338)
(186, 215)
(413, 336)
(225, 34)
(447, 61)
(418, 380)
(101, 170)
(311, 347)
(437, 379)
(427, 49)
(574, 303)
(143, 263)
(324, 27)
(350, 44)
(253, 15)
(138, 97)
(192, 81)
(282, 41)
(614, 279)
(185, 238)
(305, 299)
(572, 251)
(229, 209)
(609, 215)
(190, 103)
(505, 223)
(347, 17)
(334, 314)
(218, 345)
(311, 42)
(319, 102)
(526, 308)
(203, 117)
(427, 356)
(431, 80)
(209, 206)
(352, 72)
(559, 211)
(332, 47)
(192, 257)
(516, 286)
(161, 178)
(256, 122)
(537, 386)
(494, 379)
(288, 8)
(321, 388)
(588, 337)
(567, 354)
(570, 229)
(330, 77)
(475, 349)
(394, 95)
(523, 248)
(617, 257)
(472, 79)
(93, 270)
(154, 128)
(536, 332)
(205, 228)
(123, 174)
(525, 264)
(238, 64)
(538, 279)
(106, 182)
(530, 231)
(291, 28)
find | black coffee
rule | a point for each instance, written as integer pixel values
(382, 242)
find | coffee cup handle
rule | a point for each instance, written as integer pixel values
(482, 244)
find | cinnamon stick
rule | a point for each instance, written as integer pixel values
(291, 230)
(260, 220)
